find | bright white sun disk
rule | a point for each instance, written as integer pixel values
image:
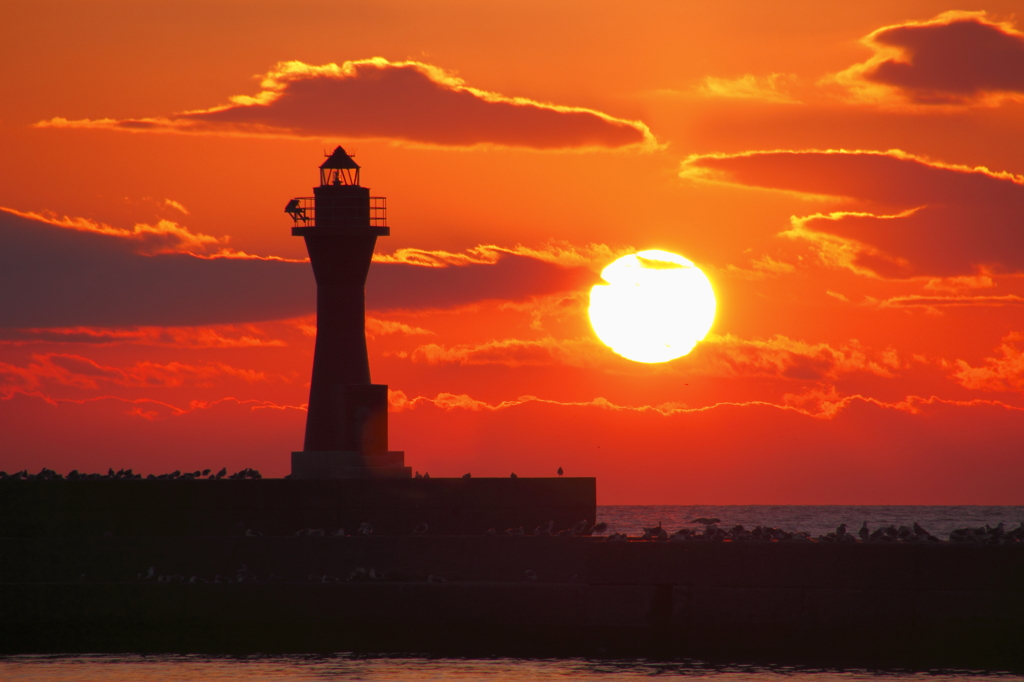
(655, 307)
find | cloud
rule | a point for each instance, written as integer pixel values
(513, 275)
(761, 268)
(1005, 373)
(919, 301)
(781, 357)
(60, 276)
(166, 236)
(408, 101)
(76, 371)
(721, 356)
(171, 203)
(377, 327)
(921, 218)
(214, 336)
(579, 352)
(957, 58)
(772, 88)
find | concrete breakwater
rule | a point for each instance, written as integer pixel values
(918, 604)
(202, 507)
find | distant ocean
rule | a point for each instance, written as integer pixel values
(629, 519)
(815, 519)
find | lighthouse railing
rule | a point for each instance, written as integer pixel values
(303, 211)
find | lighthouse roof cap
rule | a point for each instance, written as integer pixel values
(339, 159)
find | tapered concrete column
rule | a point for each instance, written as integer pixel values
(347, 421)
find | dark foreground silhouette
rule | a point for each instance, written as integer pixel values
(479, 566)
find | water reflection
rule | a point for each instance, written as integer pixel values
(344, 667)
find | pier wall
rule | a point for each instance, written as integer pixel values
(926, 605)
(203, 507)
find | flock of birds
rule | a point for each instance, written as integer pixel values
(984, 535)
(50, 474)
(129, 475)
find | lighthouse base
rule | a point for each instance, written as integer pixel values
(327, 464)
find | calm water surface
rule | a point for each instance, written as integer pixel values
(408, 669)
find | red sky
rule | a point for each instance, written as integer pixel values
(851, 179)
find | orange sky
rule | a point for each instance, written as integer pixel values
(850, 179)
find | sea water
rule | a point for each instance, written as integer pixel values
(815, 519)
(345, 667)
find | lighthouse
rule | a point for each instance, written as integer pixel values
(347, 418)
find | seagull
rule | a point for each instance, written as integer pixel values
(426, 474)
(435, 578)
(531, 574)
(222, 473)
(653, 530)
(864, 532)
(149, 574)
(340, 533)
(365, 529)
(513, 475)
(467, 475)
(419, 475)
(256, 534)
(315, 532)
(420, 529)
(356, 574)
(560, 472)
(600, 527)
(706, 521)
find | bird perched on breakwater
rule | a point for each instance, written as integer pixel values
(705, 520)
(365, 528)
(513, 475)
(420, 529)
(560, 472)
(467, 475)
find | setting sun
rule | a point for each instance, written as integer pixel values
(655, 307)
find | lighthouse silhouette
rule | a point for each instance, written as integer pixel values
(347, 418)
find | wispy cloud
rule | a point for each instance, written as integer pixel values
(1003, 373)
(775, 87)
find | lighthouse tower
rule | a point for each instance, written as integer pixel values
(347, 418)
